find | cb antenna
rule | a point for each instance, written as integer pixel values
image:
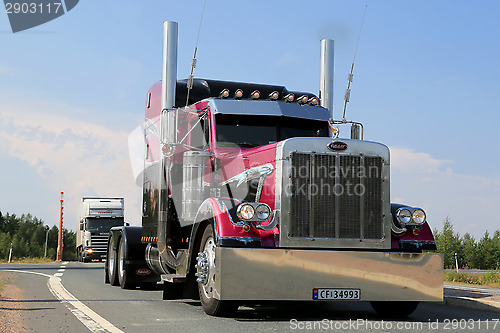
(350, 76)
(193, 62)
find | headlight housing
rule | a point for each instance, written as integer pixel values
(403, 216)
(263, 212)
(418, 216)
(253, 212)
(246, 212)
(410, 216)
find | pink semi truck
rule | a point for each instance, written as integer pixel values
(250, 194)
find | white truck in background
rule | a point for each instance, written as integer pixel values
(97, 216)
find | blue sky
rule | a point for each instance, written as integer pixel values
(425, 84)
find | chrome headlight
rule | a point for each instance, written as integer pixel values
(418, 216)
(254, 212)
(404, 216)
(263, 212)
(246, 212)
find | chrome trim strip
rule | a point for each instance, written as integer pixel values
(271, 225)
(226, 210)
(258, 172)
(245, 240)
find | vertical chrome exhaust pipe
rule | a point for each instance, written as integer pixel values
(326, 75)
(164, 256)
(169, 70)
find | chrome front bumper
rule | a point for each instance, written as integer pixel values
(287, 274)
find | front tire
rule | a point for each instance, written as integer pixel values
(394, 309)
(206, 270)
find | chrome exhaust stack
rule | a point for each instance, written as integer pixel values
(326, 75)
(164, 256)
(169, 80)
(169, 68)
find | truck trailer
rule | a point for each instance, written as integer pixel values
(97, 216)
(251, 194)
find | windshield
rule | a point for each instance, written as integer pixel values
(253, 131)
(102, 224)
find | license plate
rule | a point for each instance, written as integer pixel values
(337, 294)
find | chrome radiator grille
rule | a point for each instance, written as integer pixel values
(99, 243)
(336, 196)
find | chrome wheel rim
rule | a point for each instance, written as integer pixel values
(111, 259)
(209, 253)
(121, 264)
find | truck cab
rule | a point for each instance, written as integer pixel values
(252, 193)
(97, 217)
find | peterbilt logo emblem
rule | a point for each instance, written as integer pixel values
(143, 271)
(337, 145)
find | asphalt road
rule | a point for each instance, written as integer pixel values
(141, 310)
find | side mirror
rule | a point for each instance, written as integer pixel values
(356, 131)
(127, 224)
(81, 226)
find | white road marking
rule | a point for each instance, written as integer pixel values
(18, 271)
(83, 313)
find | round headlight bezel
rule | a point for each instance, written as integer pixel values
(246, 212)
(404, 216)
(418, 216)
(263, 212)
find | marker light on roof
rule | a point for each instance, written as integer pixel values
(289, 98)
(224, 93)
(313, 101)
(302, 99)
(238, 94)
(255, 94)
(274, 95)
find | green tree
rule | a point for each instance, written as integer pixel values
(496, 247)
(467, 254)
(2, 223)
(448, 243)
(27, 235)
(5, 241)
(69, 249)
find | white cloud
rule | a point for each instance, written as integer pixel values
(407, 160)
(288, 58)
(5, 70)
(421, 180)
(72, 155)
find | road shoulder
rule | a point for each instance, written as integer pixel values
(472, 297)
(11, 305)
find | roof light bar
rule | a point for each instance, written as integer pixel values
(302, 99)
(274, 95)
(255, 95)
(224, 93)
(238, 94)
(313, 101)
(289, 98)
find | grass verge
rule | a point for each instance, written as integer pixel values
(484, 279)
(27, 260)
